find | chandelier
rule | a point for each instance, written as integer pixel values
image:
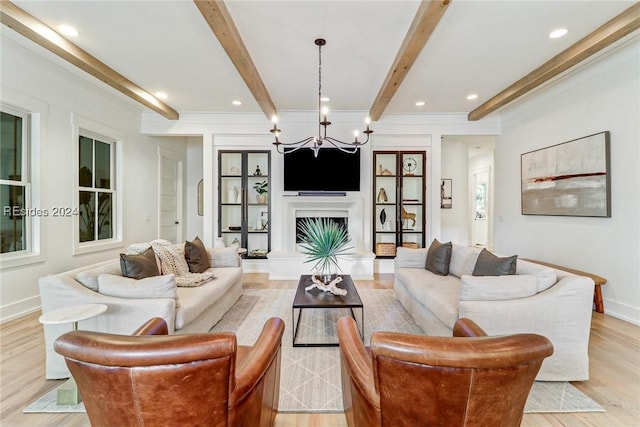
(315, 142)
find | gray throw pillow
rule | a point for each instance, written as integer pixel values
(139, 266)
(439, 257)
(488, 264)
(196, 256)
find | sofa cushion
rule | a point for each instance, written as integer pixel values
(496, 288)
(89, 278)
(139, 266)
(196, 255)
(463, 260)
(195, 300)
(149, 287)
(489, 264)
(438, 293)
(546, 276)
(439, 257)
(410, 258)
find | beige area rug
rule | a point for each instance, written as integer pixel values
(310, 380)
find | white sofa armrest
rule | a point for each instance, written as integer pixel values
(561, 313)
(123, 315)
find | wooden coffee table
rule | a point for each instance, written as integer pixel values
(318, 299)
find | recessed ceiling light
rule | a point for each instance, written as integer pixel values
(161, 95)
(558, 33)
(236, 102)
(325, 99)
(68, 30)
(420, 103)
(472, 96)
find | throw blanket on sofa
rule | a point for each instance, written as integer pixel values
(171, 261)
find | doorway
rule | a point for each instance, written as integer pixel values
(480, 207)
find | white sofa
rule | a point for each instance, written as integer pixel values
(196, 309)
(540, 300)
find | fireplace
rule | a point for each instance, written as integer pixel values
(343, 222)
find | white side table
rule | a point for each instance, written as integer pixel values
(67, 393)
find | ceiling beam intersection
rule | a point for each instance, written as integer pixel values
(606, 35)
(221, 23)
(427, 18)
(38, 32)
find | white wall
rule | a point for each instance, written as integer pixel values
(33, 83)
(604, 95)
(193, 221)
(455, 166)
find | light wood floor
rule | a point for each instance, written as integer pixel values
(614, 352)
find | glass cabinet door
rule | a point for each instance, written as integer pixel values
(244, 209)
(399, 204)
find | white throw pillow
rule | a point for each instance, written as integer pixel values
(497, 288)
(150, 287)
(411, 258)
(546, 276)
(223, 257)
(463, 260)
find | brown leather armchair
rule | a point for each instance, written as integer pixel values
(175, 380)
(412, 380)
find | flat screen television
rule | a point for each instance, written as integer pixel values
(332, 170)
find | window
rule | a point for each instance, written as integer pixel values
(15, 221)
(96, 188)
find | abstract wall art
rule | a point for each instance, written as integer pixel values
(568, 179)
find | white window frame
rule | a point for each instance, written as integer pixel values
(30, 136)
(91, 129)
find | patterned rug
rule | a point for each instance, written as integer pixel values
(310, 380)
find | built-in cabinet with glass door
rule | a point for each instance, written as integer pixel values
(398, 201)
(244, 207)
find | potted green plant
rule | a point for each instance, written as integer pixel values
(323, 241)
(261, 188)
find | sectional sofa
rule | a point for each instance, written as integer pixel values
(537, 299)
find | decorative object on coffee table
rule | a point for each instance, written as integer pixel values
(323, 241)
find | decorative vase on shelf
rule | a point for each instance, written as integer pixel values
(218, 243)
(382, 196)
(379, 170)
(383, 217)
(239, 201)
(261, 198)
(388, 226)
(232, 195)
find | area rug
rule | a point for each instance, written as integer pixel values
(310, 380)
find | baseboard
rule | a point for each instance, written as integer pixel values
(622, 311)
(19, 309)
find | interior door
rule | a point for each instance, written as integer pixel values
(170, 196)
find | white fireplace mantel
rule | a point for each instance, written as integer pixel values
(289, 264)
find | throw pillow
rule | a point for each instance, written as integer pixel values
(139, 266)
(497, 288)
(410, 258)
(89, 278)
(439, 257)
(150, 287)
(224, 257)
(488, 264)
(196, 255)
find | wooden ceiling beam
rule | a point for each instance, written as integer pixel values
(217, 15)
(27, 25)
(609, 33)
(424, 23)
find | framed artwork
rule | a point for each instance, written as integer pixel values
(568, 179)
(446, 187)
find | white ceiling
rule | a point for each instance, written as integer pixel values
(479, 47)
